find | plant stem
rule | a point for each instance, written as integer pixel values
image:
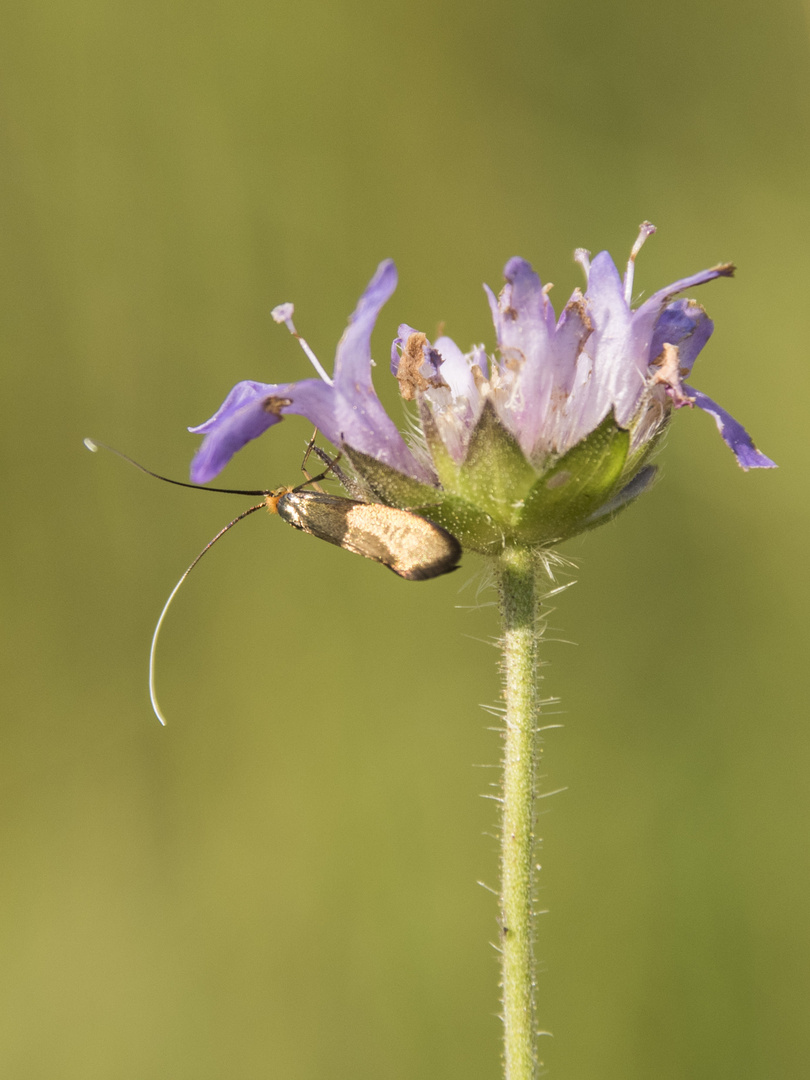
(517, 580)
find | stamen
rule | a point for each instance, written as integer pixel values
(283, 314)
(667, 372)
(583, 257)
(645, 230)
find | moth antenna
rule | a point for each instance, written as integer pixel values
(173, 593)
(94, 446)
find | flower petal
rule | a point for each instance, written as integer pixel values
(347, 411)
(242, 394)
(645, 319)
(686, 325)
(525, 322)
(249, 410)
(614, 380)
(660, 297)
(734, 434)
(353, 356)
(456, 370)
(573, 330)
(359, 417)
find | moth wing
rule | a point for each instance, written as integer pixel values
(406, 543)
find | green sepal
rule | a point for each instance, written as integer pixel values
(497, 498)
(624, 497)
(495, 475)
(389, 485)
(446, 468)
(474, 528)
(647, 441)
(575, 486)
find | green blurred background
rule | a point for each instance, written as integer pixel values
(283, 882)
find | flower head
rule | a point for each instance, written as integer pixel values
(547, 437)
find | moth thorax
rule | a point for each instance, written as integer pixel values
(271, 501)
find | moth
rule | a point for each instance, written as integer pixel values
(410, 545)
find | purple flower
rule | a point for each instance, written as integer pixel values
(344, 408)
(547, 437)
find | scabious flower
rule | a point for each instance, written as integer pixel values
(547, 437)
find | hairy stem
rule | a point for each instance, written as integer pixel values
(517, 580)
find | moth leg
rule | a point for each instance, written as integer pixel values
(331, 464)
